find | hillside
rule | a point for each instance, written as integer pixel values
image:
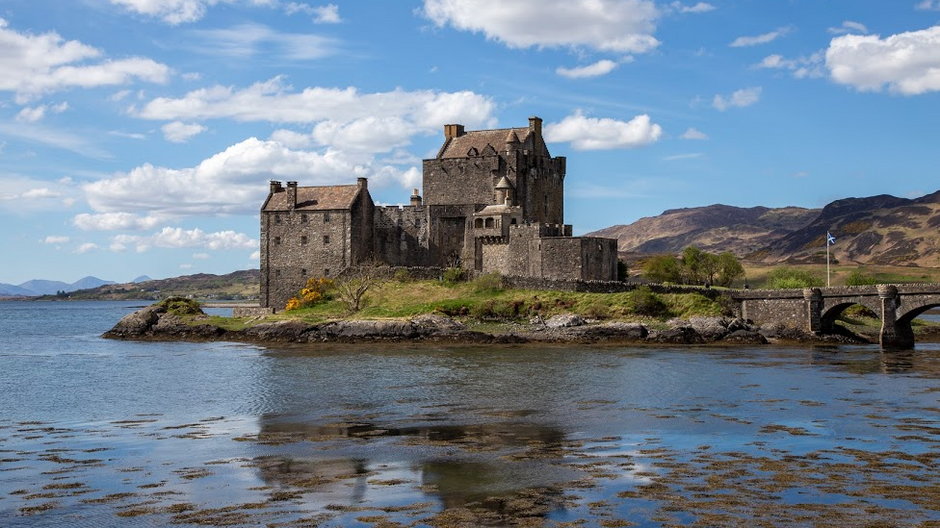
(714, 228)
(236, 285)
(884, 230)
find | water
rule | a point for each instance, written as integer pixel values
(96, 432)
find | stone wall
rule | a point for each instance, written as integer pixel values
(401, 235)
(460, 181)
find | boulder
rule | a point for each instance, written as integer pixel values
(356, 329)
(683, 335)
(136, 324)
(745, 337)
(431, 324)
(565, 321)
(613, 331)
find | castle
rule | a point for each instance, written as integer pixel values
(493, 202)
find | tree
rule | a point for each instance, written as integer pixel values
(354, 282)
(622, 272)
(663, 268)
(729, 269)
(693, 264)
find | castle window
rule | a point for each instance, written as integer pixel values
(303, 271)
(546, 204)
(473, 152)
(277, 241)
(478, 223)
(303, 219)
(326, 217)
(489, 222)
(303, 239)
(277, 274)
(277, 219)
(326, 239)
(326, 272)
(512, 221)
(417, 222)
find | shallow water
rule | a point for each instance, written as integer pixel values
(105, 433)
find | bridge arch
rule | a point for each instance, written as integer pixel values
(911, 313)
(832, 312)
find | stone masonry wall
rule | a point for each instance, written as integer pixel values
(401, 235)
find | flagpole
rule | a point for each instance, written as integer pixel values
(827, 262)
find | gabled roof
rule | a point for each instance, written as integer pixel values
(322, 198)
(458, 147)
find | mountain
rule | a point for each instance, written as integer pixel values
(714, 228)
(881, 229)
(47, 287)
(142, 278)
(9, 290)
(236, 285)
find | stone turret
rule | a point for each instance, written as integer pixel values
(504, 191)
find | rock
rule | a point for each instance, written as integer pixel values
(683, 335)
(136, 324)
(564, 321)
(612, 331)
(710, 328)
(356, 329)
(430, 324)
(280, 331)
(745, 337)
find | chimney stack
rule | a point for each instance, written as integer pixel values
(275, 186)
(362, 183)
(415, 198)
(453, 131)
(535, 125)
(292, 194)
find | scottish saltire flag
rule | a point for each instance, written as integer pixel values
(830, 240)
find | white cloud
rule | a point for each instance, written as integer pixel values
(588, 133)
(36, 64)
(200, 256)
(114, 221)
(741, 42)
(802, 67)
(36, 113)
(739, 99)
(234, 181)
(180, 132)
(186, 266)
(37, 133)
(177, 237)
(907, 63)
(700, 7)
(255, 255)
(928, 5)
(693, 133)
(606, 25)
(86, 247)
(55, 239)
(328, 14)
(20, 194)
(601, 67)
(848, 27)
(246, 40)
(691, 155)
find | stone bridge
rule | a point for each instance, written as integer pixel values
(816, 309)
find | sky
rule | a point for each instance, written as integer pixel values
(138, 136)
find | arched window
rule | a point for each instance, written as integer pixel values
(489, 222)
(478, 223)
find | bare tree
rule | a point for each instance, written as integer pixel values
(353, 283)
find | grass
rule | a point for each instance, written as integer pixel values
(757, 274)
(484, 302)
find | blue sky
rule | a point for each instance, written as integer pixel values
(138, 136)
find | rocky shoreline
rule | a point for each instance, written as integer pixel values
(158, 324)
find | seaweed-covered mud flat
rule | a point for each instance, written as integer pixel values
(99, 432)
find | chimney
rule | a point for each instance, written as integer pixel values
(453, 131)
(415, 198)
(535, 125)
(275, 186)
(291, 194)
(362, 183)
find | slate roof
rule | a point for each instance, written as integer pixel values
(459, 146)
(322, 198)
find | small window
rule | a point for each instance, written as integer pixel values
(326, 239)
(512, 221)
(277, 241)
(303, 271)
(277, 219)
(303, 219)
(418, 222)
(277, 273)
(303, 239)
(326, 217)
(478, 223)
(489, 223)
(326, 272)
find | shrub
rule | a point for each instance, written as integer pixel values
(785, 278)
(857, 278)
(857, 310)
(622, 272)
(644, 302)
(314, 291)
(490, 282)
(180, 306)
(402, 275)
(663, 268)
(597, 310)
(453, 275)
